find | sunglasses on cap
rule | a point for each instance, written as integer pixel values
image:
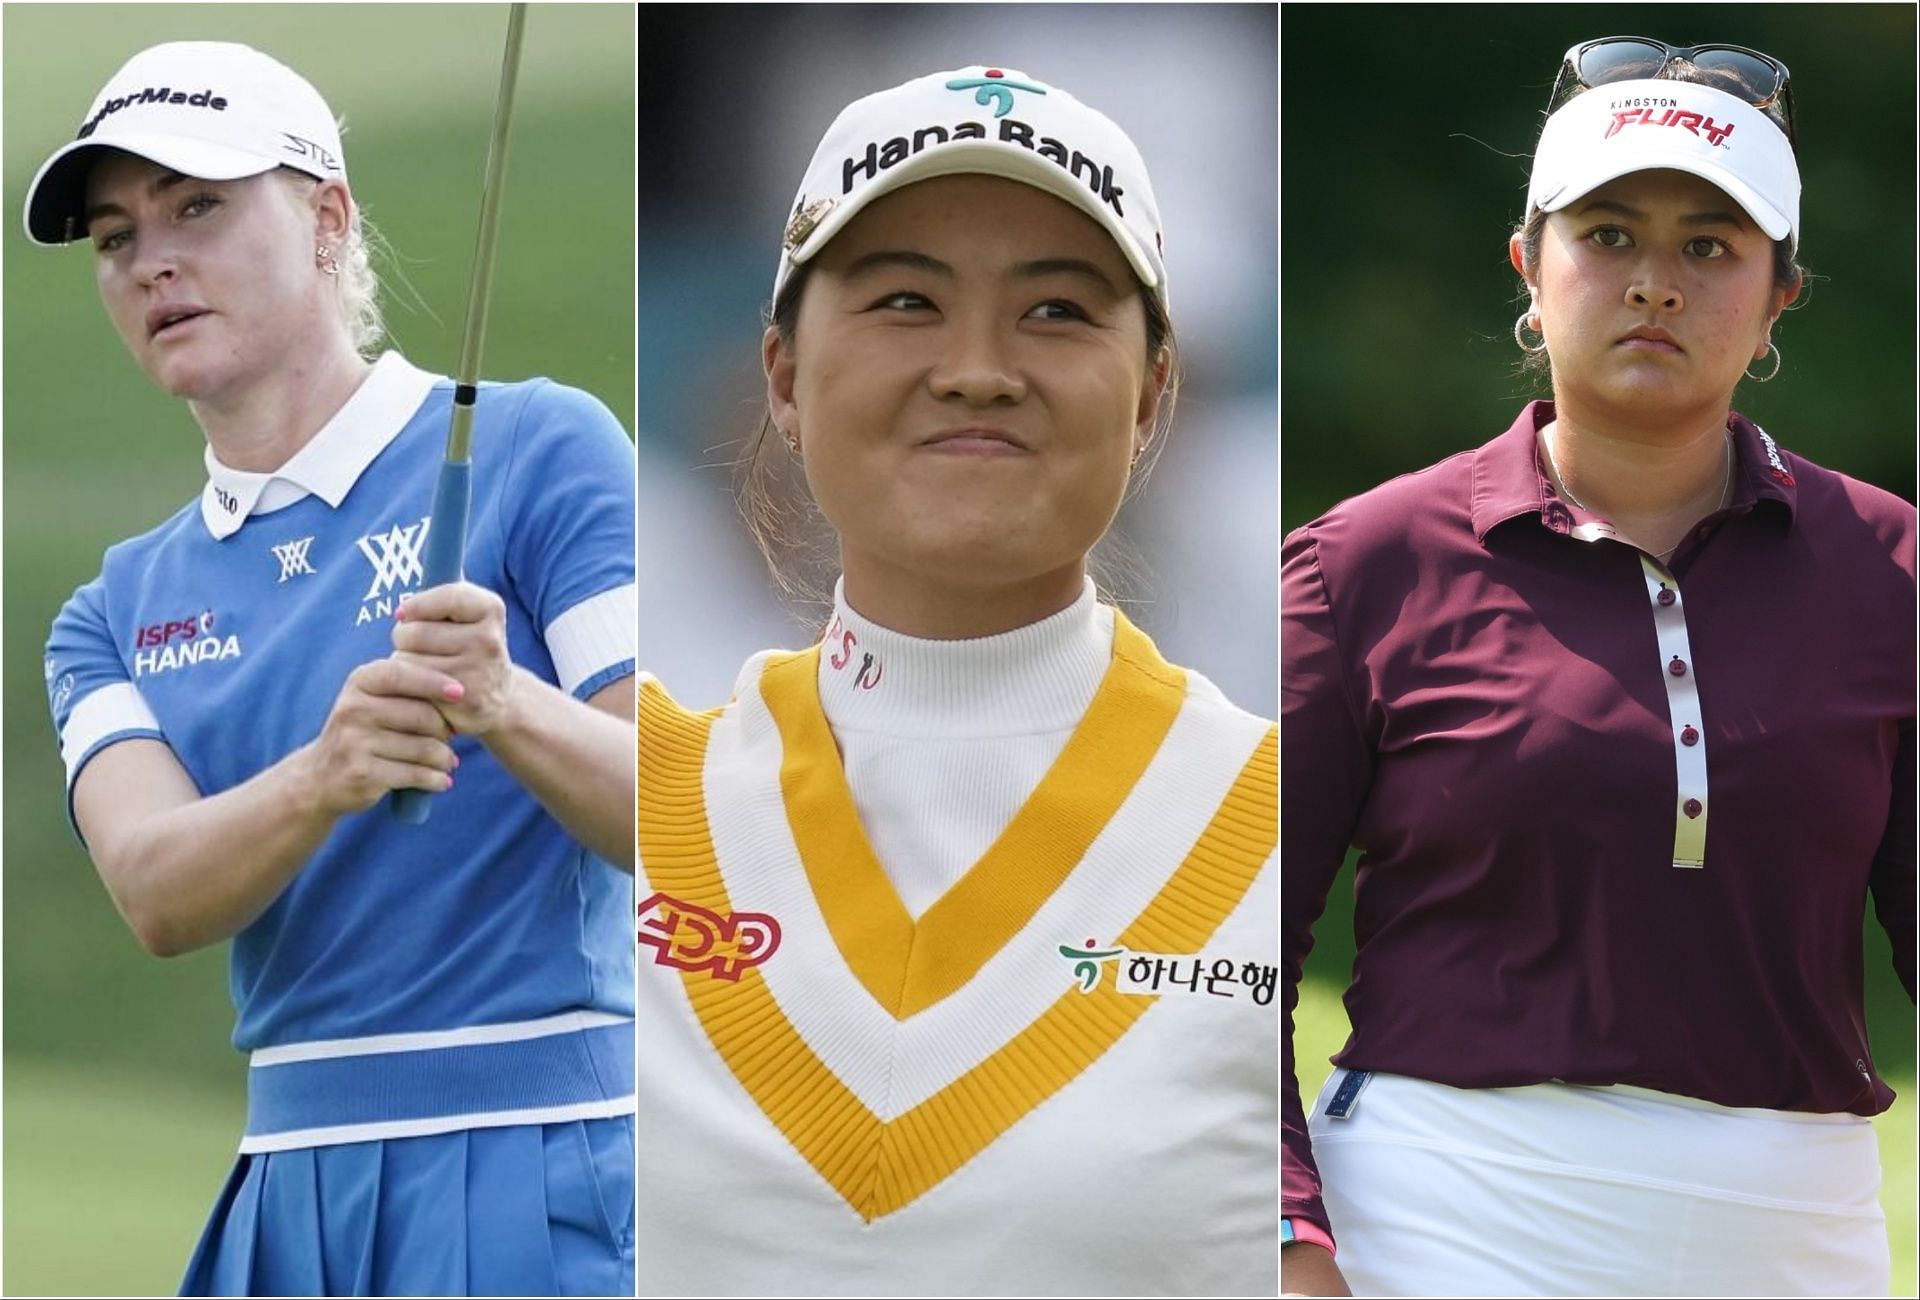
(1759, 79)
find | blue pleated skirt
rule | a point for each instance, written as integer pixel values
(539, 1209)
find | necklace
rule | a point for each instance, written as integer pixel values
(1726, 485)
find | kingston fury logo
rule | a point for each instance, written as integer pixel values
(1686, 119)
(993, 89)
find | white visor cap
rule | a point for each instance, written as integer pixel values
(1632, 126)
(208, 109)
(991, 121)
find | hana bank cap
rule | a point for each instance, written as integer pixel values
(207, 109)
(991, 121)
(1629, 126)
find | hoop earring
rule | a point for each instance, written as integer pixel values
(1527, 321)
(324, 259)
(1777, 360)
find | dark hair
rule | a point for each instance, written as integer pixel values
(800, 548)
(1775, 112)
(1787, 272)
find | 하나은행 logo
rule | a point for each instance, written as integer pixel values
(993, 89)
(689, 937)
(1087, 962)
(1156, 973)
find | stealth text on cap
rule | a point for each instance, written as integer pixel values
(153, 95)
(879, 157)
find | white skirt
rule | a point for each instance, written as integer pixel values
(1554, 1189)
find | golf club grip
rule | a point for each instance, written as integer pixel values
(446, 544)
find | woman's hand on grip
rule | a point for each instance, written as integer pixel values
(460, 631)
(383, 733)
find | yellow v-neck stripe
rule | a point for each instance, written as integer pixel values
(880, 1166)
(908, 966)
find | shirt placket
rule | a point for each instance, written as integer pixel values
(1683, 714)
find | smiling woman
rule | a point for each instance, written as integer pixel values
(973, 516)
(960, 925)
(1607, 1026)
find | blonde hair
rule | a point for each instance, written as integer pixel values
(360, 287)
(357, 286)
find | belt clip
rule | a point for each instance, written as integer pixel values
(1347, 1095)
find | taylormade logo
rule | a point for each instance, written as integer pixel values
(879, 156)
(153, 95)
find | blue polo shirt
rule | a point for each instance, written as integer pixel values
(410, 979)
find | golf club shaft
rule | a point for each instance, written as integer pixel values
(453, 492)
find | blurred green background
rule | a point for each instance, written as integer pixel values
(123, 1100)
(1406, 134)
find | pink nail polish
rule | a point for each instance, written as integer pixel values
(454, 691)
(449, 784)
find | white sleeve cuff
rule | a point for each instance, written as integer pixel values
(110, 709)
(595, 635)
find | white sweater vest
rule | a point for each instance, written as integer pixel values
(928, 1020)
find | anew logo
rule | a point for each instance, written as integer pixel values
(61, 691)
(396, 559)
(293, 557)
(689, 937)
(1680, 117)
(178, 643)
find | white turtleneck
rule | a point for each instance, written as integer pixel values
(942, 741)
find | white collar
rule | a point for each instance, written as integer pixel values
(1033, 679)
(333, 459)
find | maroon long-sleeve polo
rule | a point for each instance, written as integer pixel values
(1619, 821)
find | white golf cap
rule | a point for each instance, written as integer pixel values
(207, 109)
(992, 121)
(1631, 126)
